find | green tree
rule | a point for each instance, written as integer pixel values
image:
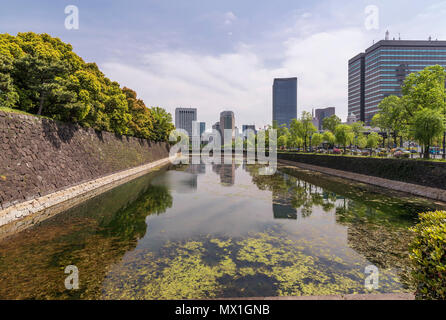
(373, 140)
(8, 95)
(317, 139)
(330, 123)
(42, 75)
(361, 141)
(303, 128)
(392, 117)
(282, 141)
(357, 129)
(162, 124)
(38, 76)
(427, 126)
(344, 135)
(425, 89)
(281, 129)
(329, 138)
(141, 123)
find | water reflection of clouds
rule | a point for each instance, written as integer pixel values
(182, 180)
(226, 208)
(219, 206)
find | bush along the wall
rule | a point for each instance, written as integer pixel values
(426, 173)
(428, 256)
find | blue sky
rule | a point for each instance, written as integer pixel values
(216, 55)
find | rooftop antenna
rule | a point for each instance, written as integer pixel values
(387, 35)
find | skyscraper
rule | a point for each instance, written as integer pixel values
(356, 78)
(321, 114)
(184, 118)
(381, 70)
(227, 121)
(202, 128)
(247, 127)
(284, 100)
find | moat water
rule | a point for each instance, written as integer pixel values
(205, 231)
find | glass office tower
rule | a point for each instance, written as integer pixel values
(284, 100)
(356, 84)
(384, 67)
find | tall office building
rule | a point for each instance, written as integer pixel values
(227, 121)
(184, 118)
(247, 127)
(284, 100)
(356, 78)
(202, 128)
(381, 70)
(216, 126)
(321, 114)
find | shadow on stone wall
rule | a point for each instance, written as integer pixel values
(57, 132)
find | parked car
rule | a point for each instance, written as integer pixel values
(337, 151)
(402, 150)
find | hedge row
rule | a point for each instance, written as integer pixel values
(426, 173)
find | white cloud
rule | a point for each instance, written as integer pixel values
(230, 17)
(309, 47)
(235, 81)
(241, 82)
(320, 62)
(429, 21)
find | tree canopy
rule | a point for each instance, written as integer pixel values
(42, 75)
(420, 112)
(330, 123)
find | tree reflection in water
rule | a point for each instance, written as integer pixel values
(93, 236)
(377, 224)
(101, 235)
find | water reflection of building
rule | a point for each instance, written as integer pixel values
(196, 168)
(184, 179)
(283, 210)
(226, 172)
(183, 182)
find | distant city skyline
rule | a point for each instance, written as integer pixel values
(214, 54)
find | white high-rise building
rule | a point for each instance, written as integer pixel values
(184, 118)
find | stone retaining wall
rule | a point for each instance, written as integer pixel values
(417, 190)
(40, 156)
(425, 173)
(19, 217)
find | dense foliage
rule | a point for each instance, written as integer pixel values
(418, 116)
(429, 256)
(42, 75)
(420, 113)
